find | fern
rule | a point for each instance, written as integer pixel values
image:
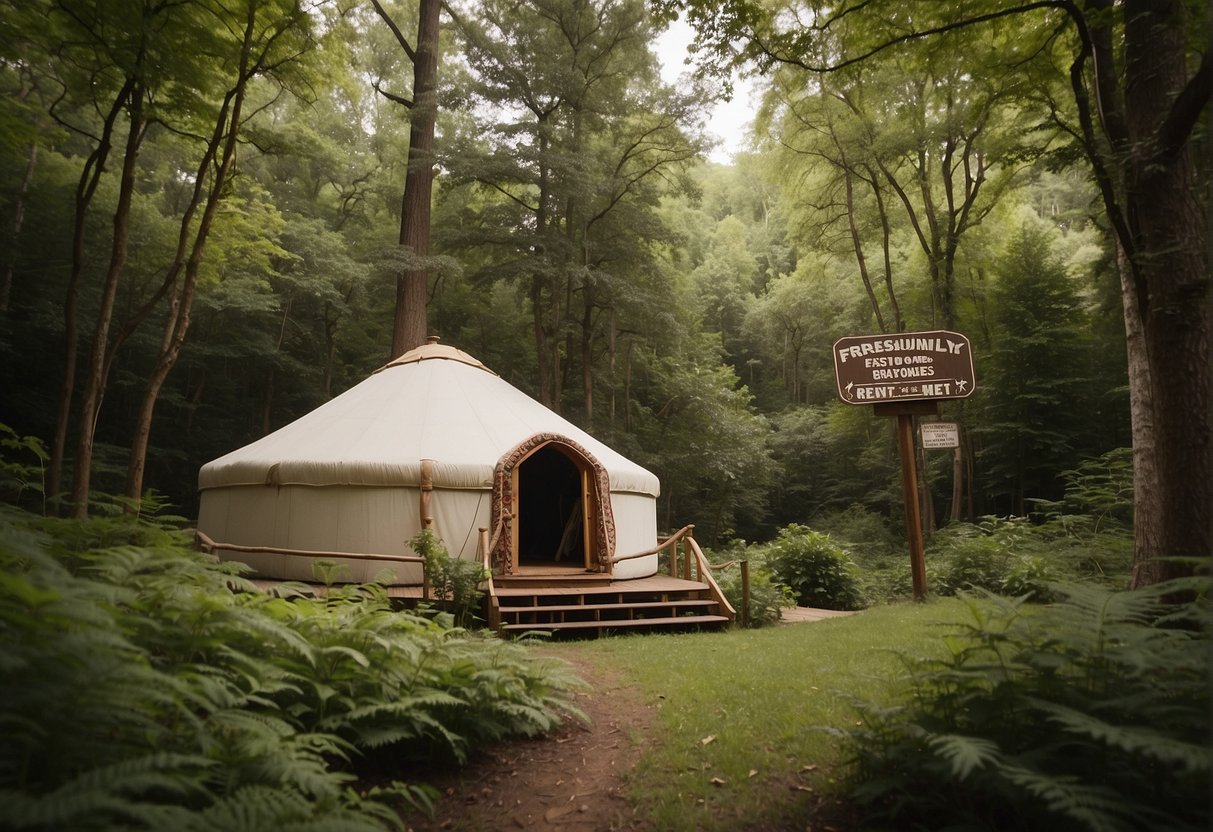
(146, 686)
(1092, 713)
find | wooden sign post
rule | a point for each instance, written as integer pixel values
(905, 375)
(905, 413)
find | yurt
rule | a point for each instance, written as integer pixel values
(436, 439)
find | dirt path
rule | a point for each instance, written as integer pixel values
(570, 781)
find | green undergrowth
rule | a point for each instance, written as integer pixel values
(146, 686)
(1091, 713)
(978, 712)
(738, 741)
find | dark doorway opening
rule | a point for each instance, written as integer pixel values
(550, 514)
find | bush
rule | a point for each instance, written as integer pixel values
(889, 580)
(22, 469)
(864, 533)
(819, 573)
(1013, 556)
(455, 583)
(1100, 489)
(1093, 713)
(768, 597)
(151, 687)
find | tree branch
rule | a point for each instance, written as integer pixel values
(401, 100)
(1186, 111)
(769, 48)
(399, 35)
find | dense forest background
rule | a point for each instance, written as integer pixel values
(200, 209)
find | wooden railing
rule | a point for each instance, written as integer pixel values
(688, 563)
(210, 546)
(691, 564)
(486, 559)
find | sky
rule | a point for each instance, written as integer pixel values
(729, 120)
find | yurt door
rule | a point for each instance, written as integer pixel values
(552, 498)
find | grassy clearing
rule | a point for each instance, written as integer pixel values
(736, 744)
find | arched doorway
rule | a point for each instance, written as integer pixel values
(552, 507)
(551, 525)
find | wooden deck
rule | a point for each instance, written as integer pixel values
(656, 583)
(583, 584)
(795, 615)
(592, 604)
(571, 601)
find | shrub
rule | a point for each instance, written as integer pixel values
(967, 562)
(819, 573)
(864, 533)
(1013, 556)
(1093, 713)
(768, 597)
(1100, 489)
(455, 583)
(22, 469)
(889, 580)
(144, 687)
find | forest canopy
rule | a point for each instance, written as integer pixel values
(205, 211)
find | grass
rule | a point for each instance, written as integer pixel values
(736, 743)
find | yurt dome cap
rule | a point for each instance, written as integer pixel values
(432, 349)
(435, 403)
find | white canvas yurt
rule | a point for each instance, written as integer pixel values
(432, 436)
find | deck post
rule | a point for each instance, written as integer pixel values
(745, 593)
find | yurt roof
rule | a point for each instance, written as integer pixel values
(434, 402)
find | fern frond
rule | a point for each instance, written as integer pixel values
(1094, 806)
(965, 755)
(1148, 743)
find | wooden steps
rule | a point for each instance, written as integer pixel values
(594, 605)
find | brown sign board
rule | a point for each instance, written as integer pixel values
(904, 366)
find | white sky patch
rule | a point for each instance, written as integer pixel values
(729, 121)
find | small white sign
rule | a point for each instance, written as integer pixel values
(940, 435)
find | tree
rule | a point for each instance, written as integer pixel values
(571, 145)
(705, 442)
(722, 286)
(266, 36)
(412, 282)
(1034, 377)
(134, 66)
(1137, 105)
(796, 320)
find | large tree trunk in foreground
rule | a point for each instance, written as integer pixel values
(1170, 289)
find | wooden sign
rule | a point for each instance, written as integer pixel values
(906, 366)
(939, 435)
(905, 375)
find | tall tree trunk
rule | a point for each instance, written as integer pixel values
(857, 245)
(86, 187)
(627, 386)
(887, 258)
(554, 343)
(1170, 232)
(94, 385)
(611, 366)
(6, 282)
(222, 147)
(540, 334)
(1146, 491)
(587, 353)
(957, 484)
(412, 285)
